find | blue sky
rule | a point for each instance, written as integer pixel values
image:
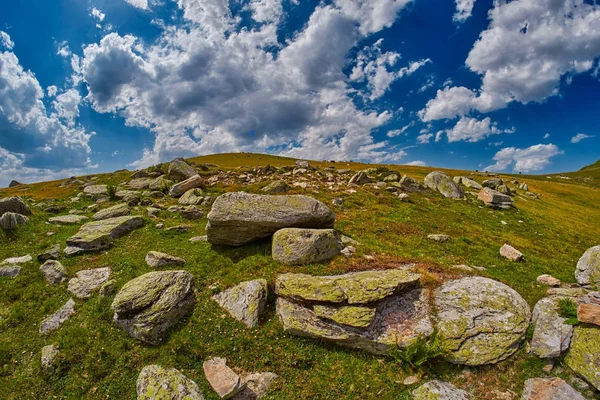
(94, 86)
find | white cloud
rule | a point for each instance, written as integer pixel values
(546, 136)
(417, 163)
(474, 130)
(63, 50)
(464, 8)
(424, 138)
(143, 4)
(266, 10)
(51, 91)
(67, 106)
(5, 41)
(579, 137)
(533, 158)
(372, 15)
(398, 132)
(451, 102)
(99, 15)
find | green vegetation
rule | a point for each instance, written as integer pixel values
(112, 192)
(417, 354)
(99, 361)
(567, 308)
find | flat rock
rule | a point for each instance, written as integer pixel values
(54, 272)
(240, 218)
(495, 199)
(51, 253)
(551, 335)
(357, 316)
(442, 183)
(10, 271)
(549, 389)
(54, 321)
(192, 212)
(440, 390)
(408, 184)
(588, 313)
(197, 239)
(10, 220)
(180, 188)
(480, 321)
(111, 212)
(156, 259)
(297, 246)
(360, 178)
(245, 302)
(568, 292)
(548, 280)
(588, 268)
(17, 260)
(71, 219)
(140, 183)
(584, 355)
(437, 237)
(179, 170)
(277, 187)
(87, 281)
(158, 383)
(222, 379)
(99, 235)
(493, 183)
(510, 253)
(48, 360)
(191, 197)
(467, 182)
(257, 385)
(96, 191)
(147, 306)
(15, 205)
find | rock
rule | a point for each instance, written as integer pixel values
(336, 308)
(245, 302)
(99, 235)
(392, 178)
(48, 361)
(348, 251)
(337, 201)
(192, 212)
(158, 383)
(492, 183)
(360, 178)
(510, 253)
(156, 259)
(180, 188)
(494, 199)
(524, 186)
(302, 164)
(54, 321)
(96, 191)
(119, 210)
(403, 197)
(152, 212)
(440, 390)
(276, 187)
(589, 314)
(161, 184)
(296, 246)
(222, 379)
(436, 237)
(108, 288)
(15, 205)
(257, 385)
(14, 183)
(147, 306)
(410, 380)
(567, 292)
(177, 228)
(548, 280)
(584, 354)
(408, 184)
(197, 239)
(140, 183)
(588, 268)
(10, 271)
(140, 174)
(480, 321)
(551, 335)
(503, 189)
(87, 281)
(179, 170)
(50, 253)
(240, 218)
(10, 220)
(16, 260)
(54, 272)
(441, 182)
(468, 182)
(191, 197)
(549, 389)
(71, 219)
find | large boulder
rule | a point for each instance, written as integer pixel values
(178, 189)
(442, 183)
(492, 198)
(551, 335)
(111, 212)
(584, 354)
(11, 220)
(296, 246)
(467, 182)
(549, 389)
(191, 197)
(158, 383)
(14, 183)
(140, 183)
(480, 321)
(239, 218)
(14, 204)
(369, 310)
(99, 235)
(493, 183)
(588, 268)
(440, 390)
(179, 170)
(147, 306)
(245, 302)
(96, 191)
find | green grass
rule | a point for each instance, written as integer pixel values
(567, 308)
(99, 361)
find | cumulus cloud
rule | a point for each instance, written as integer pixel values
(143, 4)
(266, 10)
(579, 137)
(417, 163)
(474, 130)
(63, 50)
(99, 15)
(372, 15)
(67, 106)
(5, 41)
(464, 8)
(51, 90)
(533, 158)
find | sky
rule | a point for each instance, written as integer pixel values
(90, 86)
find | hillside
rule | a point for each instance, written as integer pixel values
(552, 225)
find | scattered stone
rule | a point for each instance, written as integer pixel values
(440, 390)
(17, 260)
(222, 379)
(468, 182)
(177, 228)
(192, 212)
(161, 184)
(392, 178)
(360, 178)
(54, 321)
(191, 197)
(240, 218)
(410, 380)
(99, 235)
(54, 272)
(197, 239)
(436, 237)
(567, 292)
(87, 281)
(589, 313)
(348, 251)
(245, 302)
(302, 164)
(408, 184)
(50, 253)
(524, 186)
(152, 211)
(480, 321)
(548, 365)
(463, 267)
(108, 288)
(140, 183)
(10, 271)
(551, 335)
(119, 210)
(276, 187)
(48, 361)
(15, 205)
(494, 199)
(140, 174)
(296, 246)
(510, 253)
(156, 259)
(442, 183)
(493, 183)
(588, 268)
(337, 201)
(96, 191)
(71, 219)
(10, 220)
(179, 170)
(178, 189)
(548, 280)
(403, 196)
(147, 306)
(158, 383)
(257, 385)
(549, 389)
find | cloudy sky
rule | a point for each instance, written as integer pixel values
(98, 85)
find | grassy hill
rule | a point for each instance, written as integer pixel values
(99, 361)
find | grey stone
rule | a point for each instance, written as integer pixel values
(50, 253)
(15, 205)
(179, 170)
(549, 389)
(493, 183)
(437, 237)
(360, 178)
(111, 212)
(10, 271)
(588, 268)
(71, 219)
(192, 212)
(467, 182)
(408, 184)
(495, 199)
(442, 183)
(48, 361)
(17, 260)
(245, 302)
(99, 235)
(440, 390)
(96, 191)
(296, 246)
(87, 281)
(178, 189)
(191, 197)
(257, 385)
(54, 321)
(510, 253)
(10, 220)
(277, 187)
(140, 183)
(156, 259)
(54, 272)
(158, 383)
(551, 335)
(584, 353)
(197, 239)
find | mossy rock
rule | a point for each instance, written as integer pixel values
(441, 182)
(297, 246)
(588, 268)
(584, 354)
(158, 383)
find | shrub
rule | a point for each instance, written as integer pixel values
(418, 353)
(112, 192)
(567, 308)
(165, 187)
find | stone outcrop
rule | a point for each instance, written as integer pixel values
(99, 235)
(467, 182)
(245, 302)
(360, 178)
(296, 246)
(158, 383)
(119, 210)
(495, 199)
(588, 268)
(191, 197)
(442, 183)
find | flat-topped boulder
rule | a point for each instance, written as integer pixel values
(411, 185)
(495, 199)
(140, 183)
(442, 183)
(96, 191)
(71, 219)
(480, 321)
(157, 259)
(99, 235)
(118, 210)
(15, 205)
(588, 268)
(296, 246)
(147, 306)
(158, 383)
(191, 197)
(551, 335)
(239, 218)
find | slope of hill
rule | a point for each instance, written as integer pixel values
(98, 360)
(592, 167)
